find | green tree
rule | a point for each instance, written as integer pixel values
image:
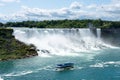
(1, 24)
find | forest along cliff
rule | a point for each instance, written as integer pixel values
(10, 48)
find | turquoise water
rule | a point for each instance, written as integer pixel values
(94, 65)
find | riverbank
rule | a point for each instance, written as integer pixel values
(10, 48)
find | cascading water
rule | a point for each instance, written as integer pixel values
(60, 41)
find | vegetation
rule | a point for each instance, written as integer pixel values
(64, 24)
(10, 48)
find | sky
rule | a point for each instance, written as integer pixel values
(22, 10)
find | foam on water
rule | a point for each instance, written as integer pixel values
(19, 73)
(61, 42)
(106, 64)
(22, 73)
(1, 78)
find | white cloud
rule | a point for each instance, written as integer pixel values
(75, 5)
(112, 8)
(92, 6)
(74, 11)
(10, 0)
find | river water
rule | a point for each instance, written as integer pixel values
(93, 59)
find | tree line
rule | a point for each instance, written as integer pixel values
(98, 23)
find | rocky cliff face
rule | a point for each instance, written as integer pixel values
(111, 36)
(10, 48)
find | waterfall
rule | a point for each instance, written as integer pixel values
(98, 33)
(60, 41)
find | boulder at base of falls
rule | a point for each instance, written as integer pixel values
(45, 51)
(10, 48)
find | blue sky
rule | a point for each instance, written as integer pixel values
(21, 10)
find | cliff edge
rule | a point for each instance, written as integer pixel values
(10, 48)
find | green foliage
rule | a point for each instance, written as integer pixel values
(98, 23)
(10, 48)
(1, 24)
(106, 25)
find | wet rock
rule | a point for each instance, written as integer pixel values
(44, 51)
